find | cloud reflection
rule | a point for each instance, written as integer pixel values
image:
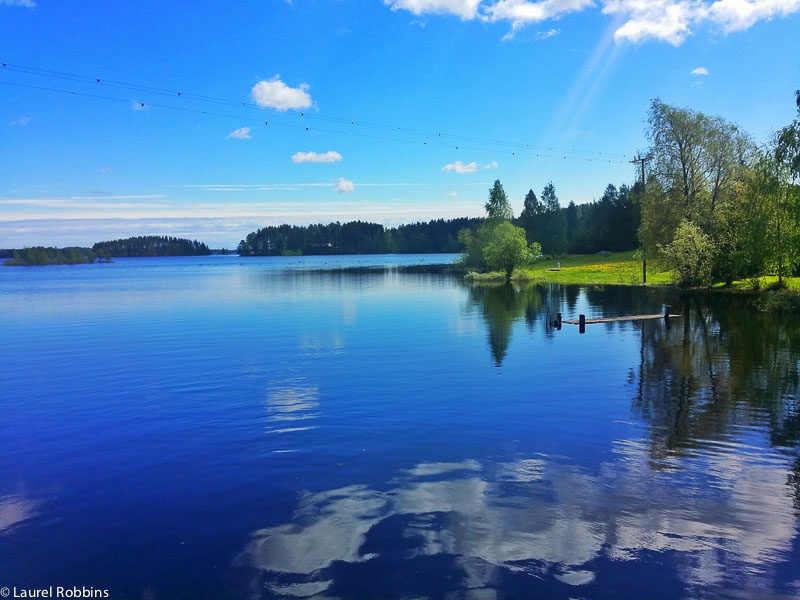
(16, 508)
(290, 404)
(537, 518)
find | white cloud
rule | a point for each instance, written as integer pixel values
(466, 9)
(700, 71)
(274, 93)
(666, 20)
(522, 12)
(77, 201)
(465, 168)
(106, 170)
(673, 20)
(25, 3)
(543, 35)
(460, 167)
(737, 15)
(21, 122)
(344, 186)
(453, 194)
(242, 187)
(327, 157)
(120, 197)
(243, 133)
(670, 21)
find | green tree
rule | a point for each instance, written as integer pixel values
(690, 255)
(472, 257)
(781, 197)
(531, 216)
(531, 205)
(698, 161)
(498, 207)
(700, 167)
(572, 224)
(506, 249)
(553, 230)
(787, 146)
(549, 198)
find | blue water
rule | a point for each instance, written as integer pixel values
(225, 427)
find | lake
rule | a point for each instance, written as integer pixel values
(225, 427)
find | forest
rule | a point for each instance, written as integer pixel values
(610, 223)
(357, 237)
(152, 245)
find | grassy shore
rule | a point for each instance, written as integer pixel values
(618, 268)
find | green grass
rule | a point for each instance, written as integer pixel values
(618, 268)
(764, 283)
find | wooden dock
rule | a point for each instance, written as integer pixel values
(582, 321)
(621, 319)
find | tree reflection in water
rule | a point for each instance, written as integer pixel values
(502, 306)
(725, 370)
(705, 504)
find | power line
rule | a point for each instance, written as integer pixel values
(528, 149)
(240, 118)
(250, 105)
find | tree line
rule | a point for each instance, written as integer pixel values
(610, 223)
(357, 237)
(152, 245)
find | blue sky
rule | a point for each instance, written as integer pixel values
(573, 75)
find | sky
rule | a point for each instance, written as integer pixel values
(209, 120)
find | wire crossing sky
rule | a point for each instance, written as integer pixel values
(209, 122)
(425, 135)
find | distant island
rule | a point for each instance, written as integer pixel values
(38, 256)
(153, 245)
(150, 245)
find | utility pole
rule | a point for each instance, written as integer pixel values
(642, 160)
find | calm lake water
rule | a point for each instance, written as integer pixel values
(218, 427)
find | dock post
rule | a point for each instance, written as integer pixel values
(667, 310)
(582, 323)
(558, 321)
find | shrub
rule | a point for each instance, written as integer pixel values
(690, 255)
